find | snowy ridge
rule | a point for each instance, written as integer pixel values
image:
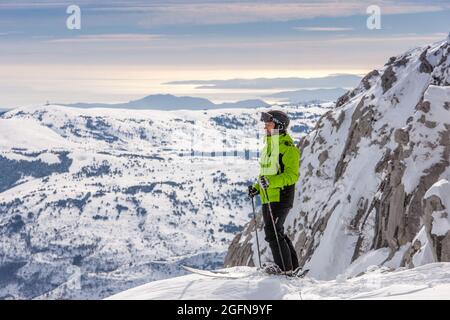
(96, 201)
(365, 171)
(427, 282)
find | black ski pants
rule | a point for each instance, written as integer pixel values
(286, 248)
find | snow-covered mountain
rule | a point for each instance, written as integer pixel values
(431, 281)
(374, 186)
(96, 201)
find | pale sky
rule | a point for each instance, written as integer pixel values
(127, 49)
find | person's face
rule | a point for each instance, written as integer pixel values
(269, 126)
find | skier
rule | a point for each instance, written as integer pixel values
(279, 171)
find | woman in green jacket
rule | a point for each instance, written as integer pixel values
(279, 171)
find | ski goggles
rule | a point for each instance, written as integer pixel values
(266, 117)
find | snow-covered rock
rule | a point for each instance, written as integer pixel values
(437, 218)
(372, 184)
(96, 201)
(426, 282)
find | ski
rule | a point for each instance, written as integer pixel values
(213, 274)
(226, 275)
(298, 274)
(302, 274)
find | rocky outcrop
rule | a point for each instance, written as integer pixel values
(388, 79)
(371, 189)
(240, 251)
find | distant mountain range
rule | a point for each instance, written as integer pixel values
(321, 89)
(309, 95)
(171, 102)
(331, 81)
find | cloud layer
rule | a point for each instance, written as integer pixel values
(128, 48)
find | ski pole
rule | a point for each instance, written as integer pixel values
(256, 230)
(274, 228)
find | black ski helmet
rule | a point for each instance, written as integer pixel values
(280, 119)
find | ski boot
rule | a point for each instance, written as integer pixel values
(274, 269)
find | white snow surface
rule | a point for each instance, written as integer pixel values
(28, 133)
(431, 281)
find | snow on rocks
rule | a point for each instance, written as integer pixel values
(440, 191)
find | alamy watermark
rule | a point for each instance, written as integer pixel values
(73, 281)
(73, 22)
(228, 145)
(374, 19)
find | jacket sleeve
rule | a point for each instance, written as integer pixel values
(291, 162)
(256, 186)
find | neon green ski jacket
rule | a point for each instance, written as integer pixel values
(279, 163)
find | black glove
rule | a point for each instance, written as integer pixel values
(263, 182)
(252, 191)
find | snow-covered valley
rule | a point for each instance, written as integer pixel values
(97, 201)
